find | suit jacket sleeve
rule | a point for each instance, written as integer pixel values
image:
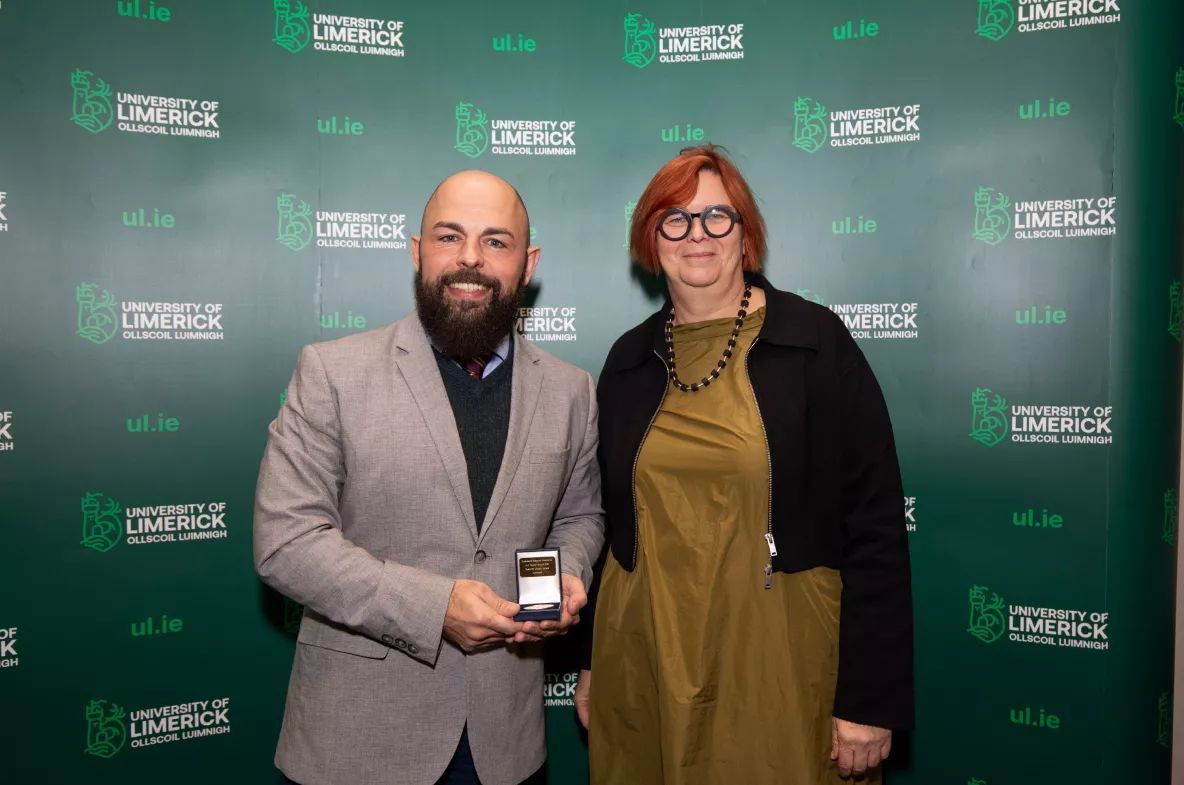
(875, 682)
(578, 527)
(300, 549)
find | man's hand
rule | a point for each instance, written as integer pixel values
(477, 618)
(574, 598)
(857, 747)
(583, 688)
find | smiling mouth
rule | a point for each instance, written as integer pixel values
(468, 289)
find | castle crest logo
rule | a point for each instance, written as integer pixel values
(295, 222)
(997, 18)
(1060, 424)
(697, 44)
(335, 33)
(138, 113)
(986, 615)
(98, 321)
(105, 523)
(629, 208)
(106, 730)
(92, 102)
(640, 41)
(991, 617)
(996, 217)
(109, 726)
(989, 423)
(338, 229)
(992, 221)
(101, 525)
(475, 132)
(472, 132)
(814, 127)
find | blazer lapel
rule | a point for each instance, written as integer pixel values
(524, 397)
(419, 369)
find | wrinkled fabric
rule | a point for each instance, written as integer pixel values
(701, 675)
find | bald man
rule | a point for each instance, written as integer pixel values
(404, 469)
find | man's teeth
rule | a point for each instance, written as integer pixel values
(469, 287)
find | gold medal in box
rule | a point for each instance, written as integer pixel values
(540, 591)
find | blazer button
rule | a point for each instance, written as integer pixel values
(388, 640)
(480, 557)
(402, 644)
(413, 649)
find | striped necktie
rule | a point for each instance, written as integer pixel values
(475, 367)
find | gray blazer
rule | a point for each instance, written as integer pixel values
(363, 514)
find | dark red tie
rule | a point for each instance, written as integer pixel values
(475, 367)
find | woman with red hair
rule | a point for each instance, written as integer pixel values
(753, 619)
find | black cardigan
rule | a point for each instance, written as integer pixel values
(837, 499)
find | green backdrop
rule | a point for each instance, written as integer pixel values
(988, 190)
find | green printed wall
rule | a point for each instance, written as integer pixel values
(988, 192)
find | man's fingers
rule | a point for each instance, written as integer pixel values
(886, 748)
(834, 740)
(873, 757)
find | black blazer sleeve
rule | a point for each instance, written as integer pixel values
(875, 680)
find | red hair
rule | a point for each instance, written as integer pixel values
(674, 186)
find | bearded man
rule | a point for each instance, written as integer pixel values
(406, 466)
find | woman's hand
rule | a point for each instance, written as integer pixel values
(583, 686)
(856, 747)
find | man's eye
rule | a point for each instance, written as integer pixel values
(448, 238)
(496, 243)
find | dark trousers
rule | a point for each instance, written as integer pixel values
(462, 771)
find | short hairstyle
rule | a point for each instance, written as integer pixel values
(674, 186)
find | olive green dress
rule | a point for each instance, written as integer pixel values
(701, 675)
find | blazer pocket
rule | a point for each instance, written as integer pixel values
(324, 635)
(548, 456)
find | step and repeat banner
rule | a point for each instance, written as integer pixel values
(987, 191)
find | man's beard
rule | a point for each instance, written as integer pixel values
(461, 329)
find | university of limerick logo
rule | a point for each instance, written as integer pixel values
(106, 732)
(986, 616)
(291, 25)
(640, 46)
(293, 613)
(1175, 312)
(813, 297)
(995, 18)
(1164, 735)
(92, 101)
(295, 224)
(809, 124)
(101, 528)
(989, 424)
(992, 222)
(97, 321)
(472, 137)
(1179, 115)
(629, 208)
(1171, 513)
